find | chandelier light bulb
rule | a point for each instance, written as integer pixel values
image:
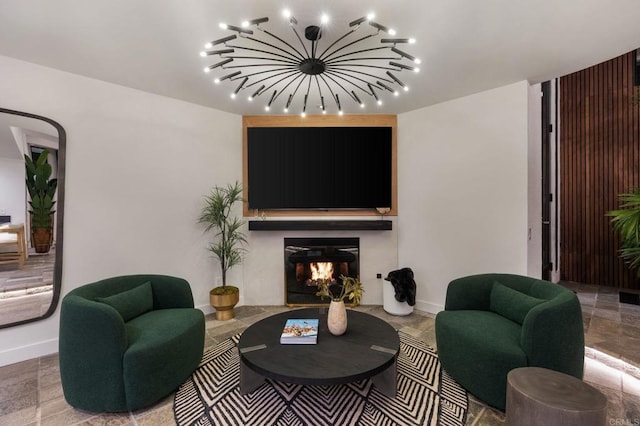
(267, 108)
(286, 13)
(340, 112)
(406, 88)
(379, 102)
(207, 69)
(324, 19)
(324, 111)
(286, 109)
(371, 16)
(396, 93)
(203, 53)
(303, 114)
(233, 96)
(208, 45)
(222, 26)
(417, 61)
(392, 32)
(245, 24)
(216, 81)
(362, 105)
(250, 98)
(412, 40)
(416, 69)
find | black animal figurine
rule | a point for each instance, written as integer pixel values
(404, 285)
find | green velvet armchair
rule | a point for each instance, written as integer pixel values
(493, 323)
(126, 342)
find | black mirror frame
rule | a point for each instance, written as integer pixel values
(57, 271)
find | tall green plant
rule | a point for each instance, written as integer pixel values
(626, 222)
(41, 190)
(229, 239)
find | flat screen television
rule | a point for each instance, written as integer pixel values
(319, 168)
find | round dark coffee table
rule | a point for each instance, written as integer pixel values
(368, 349)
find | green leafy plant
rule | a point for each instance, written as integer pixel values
(626, 222)
(41, 190)
(349, 288)
(229, 239)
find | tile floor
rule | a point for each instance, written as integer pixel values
(31, 394)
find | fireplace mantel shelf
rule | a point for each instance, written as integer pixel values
(320, 225)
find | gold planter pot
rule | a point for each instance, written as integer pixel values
(224, 304)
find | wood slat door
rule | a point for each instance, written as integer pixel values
(599, 153)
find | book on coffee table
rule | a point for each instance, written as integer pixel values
(300, 331)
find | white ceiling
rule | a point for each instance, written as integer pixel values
(466, 46)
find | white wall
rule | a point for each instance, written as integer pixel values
(534, 245)
(137, 168)
(462, 188)
(12, 194)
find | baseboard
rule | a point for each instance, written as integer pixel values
(24, 353)
(206, 309)
(428, 307)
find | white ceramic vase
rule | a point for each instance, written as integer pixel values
(337, 318)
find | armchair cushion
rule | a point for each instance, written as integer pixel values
(131, 303)
(510, 303)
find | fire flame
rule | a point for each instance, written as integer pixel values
(321, 271)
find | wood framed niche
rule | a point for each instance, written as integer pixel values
(321, 121)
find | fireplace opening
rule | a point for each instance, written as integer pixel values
(307, 260)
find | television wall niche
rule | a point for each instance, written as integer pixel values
(319, 165)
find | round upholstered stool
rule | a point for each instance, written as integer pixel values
(538, 396)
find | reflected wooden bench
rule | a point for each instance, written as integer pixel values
(13, 235)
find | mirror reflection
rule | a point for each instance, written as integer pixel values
(31, 193)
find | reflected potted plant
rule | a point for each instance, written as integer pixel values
(42, 190)
(227, 247)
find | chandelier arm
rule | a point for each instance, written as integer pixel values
(345, 70)
(286, 61)
(299, 38)
(344, 76)
(330, 54)
(336, 42)
(341, 86)
(289, 74)
(288, 56)
(345, 60)
(370, 66)
(264, 72)
(297, 52)
(276, 94)
(293, 94)
(333, 95)
(371, 49)
(287, 85)
(279, 66)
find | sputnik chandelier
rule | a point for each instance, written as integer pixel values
(354, 66)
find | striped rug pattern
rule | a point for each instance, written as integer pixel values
(426, 395)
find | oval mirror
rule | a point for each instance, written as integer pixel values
(31, 220)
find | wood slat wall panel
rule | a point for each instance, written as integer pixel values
(599, 155)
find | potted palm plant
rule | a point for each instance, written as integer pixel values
(626, 222)
(227, 247)
(42, 190)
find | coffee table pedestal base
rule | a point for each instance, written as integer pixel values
(384, 381)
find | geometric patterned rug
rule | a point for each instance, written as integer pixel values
(426, 395)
